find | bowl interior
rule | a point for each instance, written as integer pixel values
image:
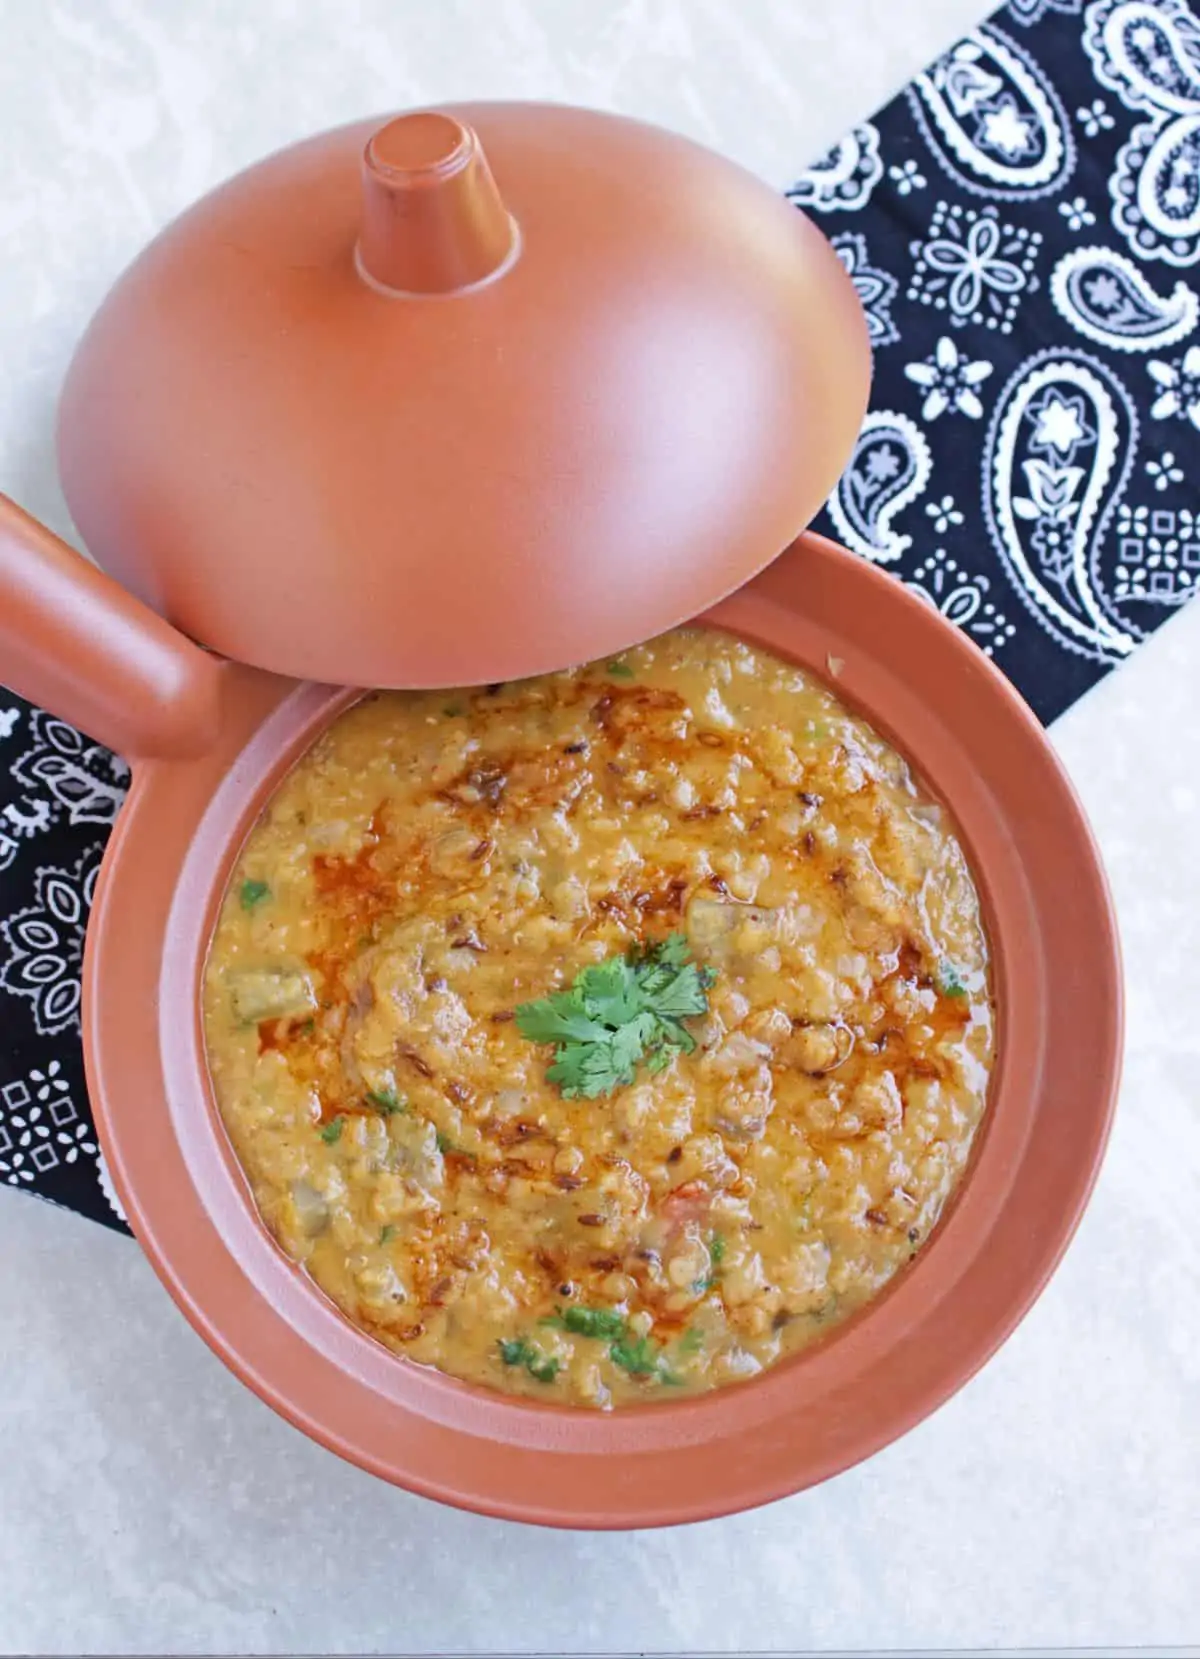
(1056, 975)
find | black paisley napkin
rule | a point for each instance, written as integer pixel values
(1023, 227)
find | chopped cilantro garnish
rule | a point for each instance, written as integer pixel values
(387, 1234)
(716, 1251)
(619, 1014)
(642, 1358)
(637, 1355)
(332, 1131)
(444, 1143)
(691, 1341)
(950, 981)
(252, 893)
(386, 1101)
(519, 1352)
(620, 670)
(597, 1322)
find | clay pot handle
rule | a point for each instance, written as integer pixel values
(75, 642)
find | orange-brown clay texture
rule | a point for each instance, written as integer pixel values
(1056, 984)
(463, 397)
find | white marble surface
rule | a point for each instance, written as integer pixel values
(147, 1501)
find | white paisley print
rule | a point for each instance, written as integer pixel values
(1030, 460)
(1148, 52)
(950, 382)
(876, 289)
(962, 599)
(845, 176)
(1105, 297)
(973, 266)
(43, 958)
(993, 120)
(59, 795)
(1058, 456)
(888, 471)
(1031, 11)
(1158, 553)
(1177, 387)
(61, 775)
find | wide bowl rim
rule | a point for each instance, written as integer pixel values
(725, 1451)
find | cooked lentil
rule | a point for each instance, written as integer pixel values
(436, 860)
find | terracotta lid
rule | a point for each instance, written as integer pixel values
(462, 397)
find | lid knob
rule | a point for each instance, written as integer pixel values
(432, 220)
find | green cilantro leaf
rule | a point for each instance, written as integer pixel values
(587, 1070)
(387, 1234)
(639, 1356)
(604, 1323)
(252, 893)
(608, 989)
(519, 1352)
(950, 981)
(681, 998)
(716, 1251)
(620, 670)
(386, 1101)
(618, 1015)
(692, 1341)
(561, 1018)
(659, 961)
(332, 1131)
(630, 1041)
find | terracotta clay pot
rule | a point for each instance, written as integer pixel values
(386, 411)
(381, 412)
(1057, 980)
